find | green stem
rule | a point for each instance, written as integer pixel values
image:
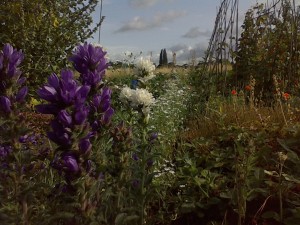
(280, 193)
(144, 162)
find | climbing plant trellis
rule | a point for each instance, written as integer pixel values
(224, 42)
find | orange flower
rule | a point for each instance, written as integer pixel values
(248, 87)
(233, 92)
(286, 96)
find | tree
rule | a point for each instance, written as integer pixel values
(46, 31)
(163, 58)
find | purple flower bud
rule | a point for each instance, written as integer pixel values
(107, 116)
(153, 137)
(85, 145)
(21, 94)
(5, 104)
(82, 93)
(5, 151)
(59, 134)
(65, 118)
(70, 163)
(47, 109)
(21, 80)
(7, 50)
(23, 139)
(135, 157)
(150, 162)
(48, 93)
(53, 81)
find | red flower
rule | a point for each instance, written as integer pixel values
(248, 87)
(233, 92)
(286, 96)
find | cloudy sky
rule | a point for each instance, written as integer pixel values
(149, 25)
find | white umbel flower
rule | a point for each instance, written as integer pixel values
(136, 98)
(143, 97)
(126, 94)
(144, 68)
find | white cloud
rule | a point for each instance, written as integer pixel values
(184, 53)
(146, 3)
(139, 24)
(195, 32)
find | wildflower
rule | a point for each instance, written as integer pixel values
(67, 163)
(126, 94)
(85, 145)
(61, 93)
(5, 151)
(10, 59)
(65, 118)
(20, 96)
(153, 137)
(90, 62)
(135, 157)
(234, 92)
(10, 74)
(142, 97)
(5, 104)
(286, 96)
(144, 70)
(248, 88)
(144, 67)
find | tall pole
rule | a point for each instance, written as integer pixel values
(101, 1)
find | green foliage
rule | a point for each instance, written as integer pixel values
(267, 48)
(46, 31)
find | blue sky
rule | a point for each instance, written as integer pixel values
(150, 25)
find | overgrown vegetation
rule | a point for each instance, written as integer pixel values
(216, 144)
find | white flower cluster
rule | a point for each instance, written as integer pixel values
(144, 69)
(137, 97)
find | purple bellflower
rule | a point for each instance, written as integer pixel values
(90, 62)
(61, 93)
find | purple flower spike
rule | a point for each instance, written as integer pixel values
(13, 59)
(5, 104)
(21, 94)
(90, 62)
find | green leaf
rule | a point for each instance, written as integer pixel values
(271, 215)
